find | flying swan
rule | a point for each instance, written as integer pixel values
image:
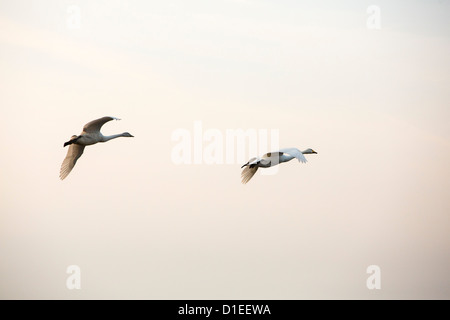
(272, 159)
(90, 135)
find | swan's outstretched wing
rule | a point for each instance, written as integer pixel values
(75, 151)
(248, 173)
(96, 125)
(294, 153)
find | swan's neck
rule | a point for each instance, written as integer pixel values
(107, 138)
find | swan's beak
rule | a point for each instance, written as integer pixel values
(244, 165)
(67, 143)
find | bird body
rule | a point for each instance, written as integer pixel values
(90, 135)
(272, 159)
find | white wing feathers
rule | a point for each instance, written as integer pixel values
(75, 151)
(295, 153)
(248, 173)
(96, 125)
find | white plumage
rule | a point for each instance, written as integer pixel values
(272, 159)
(90, 135)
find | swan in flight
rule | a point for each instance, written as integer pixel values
(90, 135)
(272, 159)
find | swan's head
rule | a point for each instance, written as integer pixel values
(309, 151)
(127, 134)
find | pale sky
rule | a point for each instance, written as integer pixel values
(373, 102)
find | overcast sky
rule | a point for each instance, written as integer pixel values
(363, 83)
